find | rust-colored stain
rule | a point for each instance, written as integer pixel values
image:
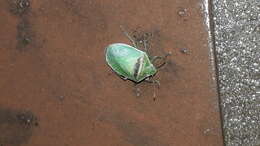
(57, 90)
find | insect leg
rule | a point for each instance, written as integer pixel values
(154, 94)
(154, 82)
(128, 36)
(162, 58)
(145, 47)
(137, 90)
(147, 43)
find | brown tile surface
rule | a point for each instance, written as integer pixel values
(56, 89)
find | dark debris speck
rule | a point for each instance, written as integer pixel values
(19, 7)
(27, 119)
(24, 34)
(184, 50)
(182, 12)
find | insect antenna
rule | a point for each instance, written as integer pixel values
(128, 36)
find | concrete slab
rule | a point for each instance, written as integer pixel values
(237, 42)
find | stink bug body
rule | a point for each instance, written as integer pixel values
(129, 62)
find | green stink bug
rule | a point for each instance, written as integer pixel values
(131, 63)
